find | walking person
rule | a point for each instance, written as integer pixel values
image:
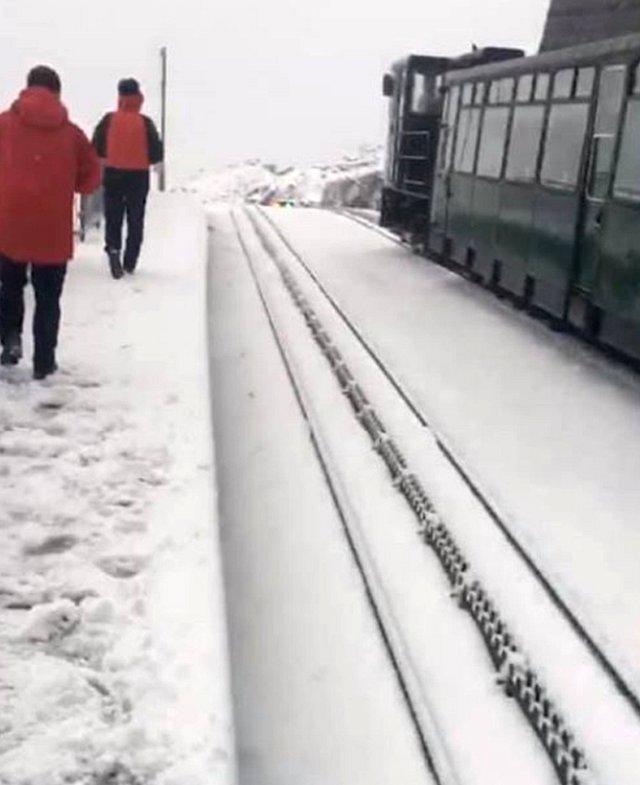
(44, 158)
(129, 143)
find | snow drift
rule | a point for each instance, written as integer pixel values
(353, 181)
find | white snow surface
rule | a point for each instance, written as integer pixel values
(257, 181)
(442, 659)
(602, 721)
(113, 656)
(546, 427)
(316, 699)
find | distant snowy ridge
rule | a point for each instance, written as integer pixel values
(353, 181)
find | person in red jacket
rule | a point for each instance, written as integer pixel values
(44, 159)
(129, 143)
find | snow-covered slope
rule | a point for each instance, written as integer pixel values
(353, 181)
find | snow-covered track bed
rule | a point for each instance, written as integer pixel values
(457, 463)
(555, 674)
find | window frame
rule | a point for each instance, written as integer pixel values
(537, 164)
(473, 111)
(557, 186)
(416, 78)
(632, 98)
(508, 108)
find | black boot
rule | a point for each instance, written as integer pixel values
(41, 372)
(11, 350)
(114, 264)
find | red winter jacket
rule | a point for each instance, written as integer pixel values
(44, 158)
(127, 139)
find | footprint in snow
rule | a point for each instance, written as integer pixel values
(55, 399)
(85, 384)
(122, 566)
(15, 376)
(19, 448)
(55, 429)
(55, 543)
(115, 774)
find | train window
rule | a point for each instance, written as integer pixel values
(610, 95)
(627, 182)
(480, 90)
(584, 85)
(467, 94)
(467, 139)
(563, 83)
(445, 107)
(525, 143)
(419, 93)
(452, 106)
(565, 140)
(494, 92)
(505, 94)
(601, 165)
(525, 85)
(542, 87)
(447, 147)
(494, 132)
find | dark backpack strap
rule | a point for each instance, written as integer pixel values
(99, 139)
(154, 143)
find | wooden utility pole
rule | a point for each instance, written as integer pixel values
(163, 113)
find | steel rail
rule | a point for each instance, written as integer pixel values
(519, 679)
(618, 680)
(440, 778)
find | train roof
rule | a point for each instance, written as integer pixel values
(625, 47)
(484, 56)
(419, 60)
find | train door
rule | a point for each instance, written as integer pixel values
(394, 89)
(439, 210)
(609, 99)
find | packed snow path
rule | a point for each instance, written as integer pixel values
(463, 720)
(113, 659)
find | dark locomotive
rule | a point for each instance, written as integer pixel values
(525, 173)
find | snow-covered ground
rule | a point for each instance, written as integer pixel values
(316, 699)
(354, 180)
(452, 671)
(546, 427)
(113, 659)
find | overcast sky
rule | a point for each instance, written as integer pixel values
(291, 81)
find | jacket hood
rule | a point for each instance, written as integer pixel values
(39, 107)
(130, 103)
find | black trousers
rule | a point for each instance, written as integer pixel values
(125, 194)
(47, 281)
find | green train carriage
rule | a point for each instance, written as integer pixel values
(536, 185)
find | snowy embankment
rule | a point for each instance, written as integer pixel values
(353, 181)
(113, 664)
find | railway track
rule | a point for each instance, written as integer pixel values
(546, 584)
(517, 673)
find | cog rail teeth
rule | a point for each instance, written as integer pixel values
(519, 680)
